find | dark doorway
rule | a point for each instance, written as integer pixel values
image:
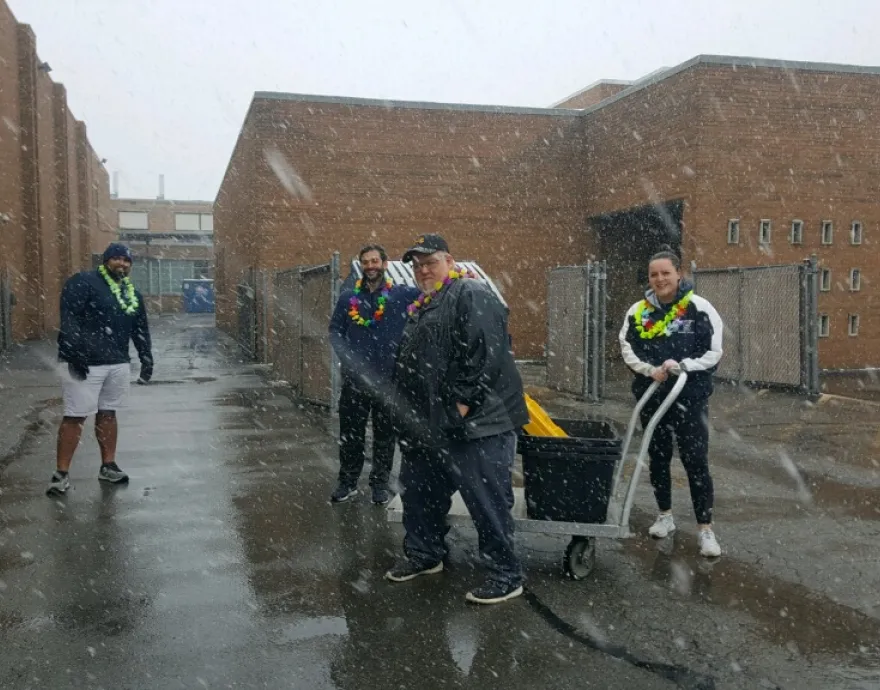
(626, 240)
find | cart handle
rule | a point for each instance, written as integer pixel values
(646, 437)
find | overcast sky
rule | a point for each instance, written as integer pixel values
(164, 85)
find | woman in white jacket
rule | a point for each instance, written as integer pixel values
(673, 327)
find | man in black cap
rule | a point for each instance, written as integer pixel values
(101, 311)
(460, 402)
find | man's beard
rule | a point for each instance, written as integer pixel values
(374, 275)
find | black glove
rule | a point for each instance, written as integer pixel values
(146, 372)
(78, 370)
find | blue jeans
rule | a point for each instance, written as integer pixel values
(481, 471)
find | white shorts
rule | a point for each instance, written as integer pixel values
(105, 388)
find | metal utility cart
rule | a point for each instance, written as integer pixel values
(580, 555)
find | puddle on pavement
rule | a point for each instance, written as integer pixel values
(790, 615)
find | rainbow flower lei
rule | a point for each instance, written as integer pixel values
(128, 303)
(354, 309)
(426, 297)
(648, 328)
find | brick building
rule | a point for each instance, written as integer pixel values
(736, 161)
(54, 191)
(171, 240)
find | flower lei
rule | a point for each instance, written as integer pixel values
(354, 309)
(425, 298)
(648, 328)
(128, 302)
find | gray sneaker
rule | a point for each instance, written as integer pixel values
(58, 485)
(111, 473)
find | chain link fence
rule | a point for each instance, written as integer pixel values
(576, 329)
(302, 302)
(770, 317)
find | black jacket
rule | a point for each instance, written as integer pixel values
(694, 341)
(94, 329)
(457, 349)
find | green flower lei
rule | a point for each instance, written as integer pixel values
(649, 328)
(130, 297)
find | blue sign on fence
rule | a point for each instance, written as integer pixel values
(198, 296)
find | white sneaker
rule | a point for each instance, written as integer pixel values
(709, 546)
(663, 526)
(58, 485)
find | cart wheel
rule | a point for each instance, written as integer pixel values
(580, 557)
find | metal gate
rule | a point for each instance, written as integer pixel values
(576, 298)
(770, 316)
(6, 304)
(303, 299)
(246, 299)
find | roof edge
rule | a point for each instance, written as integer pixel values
(731, 61)
(598, 82)
(415, 105)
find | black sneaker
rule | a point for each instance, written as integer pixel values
(58, 485)
(408, 570)
(111, 473)
(343, 493)
(381, 495)
(493, 593)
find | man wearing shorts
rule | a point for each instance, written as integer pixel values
(100, 313)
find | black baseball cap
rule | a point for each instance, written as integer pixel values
(426, 244)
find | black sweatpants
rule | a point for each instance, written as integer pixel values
(687, 423)
(481, 471)
(355, 407)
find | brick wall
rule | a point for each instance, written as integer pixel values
(45, 177)
(490, 182)
(235, 227)
(12, 232)
(796, 144)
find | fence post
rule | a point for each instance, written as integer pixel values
(602, 299)
(810, 326)
(585, 352)
(334, 361)
(593, 277)
(300, 374)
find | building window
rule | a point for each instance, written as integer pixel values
(134, 220)
(855, 233)
(853, 324)
(764, 232)
(825, 280)
(797, 232)
(194, 222)
(827, 232)
(733, 232)
(824, 325)
(855, 279)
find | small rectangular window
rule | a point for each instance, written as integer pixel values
(855, 279)
(825, 280)
(827, 232)
(824, 325)
(733, 231)
(853, 324)
(186, 222)
(133, 220)
(797, 232)
(764, 232)
(855, 233)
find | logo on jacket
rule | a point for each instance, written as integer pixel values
(680, 326)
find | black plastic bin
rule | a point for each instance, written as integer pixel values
(569, 479)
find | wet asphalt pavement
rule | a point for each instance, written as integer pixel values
(223, 565)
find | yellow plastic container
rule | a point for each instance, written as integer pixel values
(540, 423)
